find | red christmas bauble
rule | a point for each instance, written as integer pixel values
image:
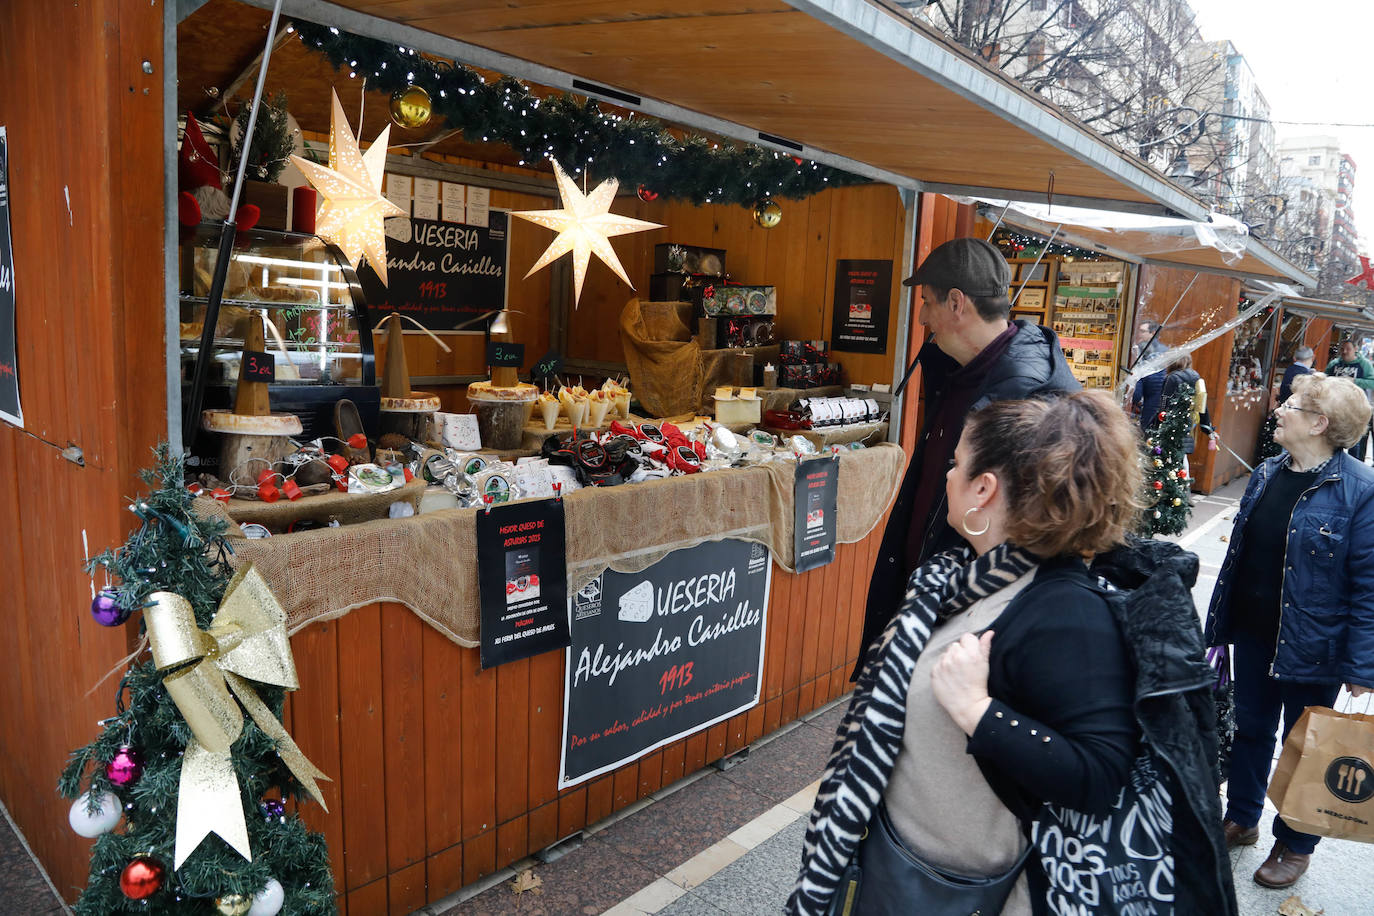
(1182, 474)
(647, 195)
(1158, 484)
(1161, 415)
(142, 878)
(797, 160)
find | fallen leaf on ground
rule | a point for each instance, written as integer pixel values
(1294, 906)
(1224, 537)
(527, 880)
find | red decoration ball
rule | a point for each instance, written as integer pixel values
(125, 767)
(142, 878)
(1182, 474)
(1158, 484)
(647, 195)
(797, 160)
(1161, 415)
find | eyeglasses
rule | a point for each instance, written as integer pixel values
(1289, 405)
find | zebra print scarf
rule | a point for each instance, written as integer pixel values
(870, 736)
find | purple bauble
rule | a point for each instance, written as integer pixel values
(125, 768)
(272, 807)
(106, 610)
(1158, 450)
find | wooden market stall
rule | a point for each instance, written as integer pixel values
(444, 772)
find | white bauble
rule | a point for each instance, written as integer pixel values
(103, 821)
(268, 901)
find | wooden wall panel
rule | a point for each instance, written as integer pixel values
(444, 773)
(85, 172)
(1194, 303)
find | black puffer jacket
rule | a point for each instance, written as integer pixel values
(1175, 709)
(1033, 364)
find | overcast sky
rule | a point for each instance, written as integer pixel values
(1313, 62)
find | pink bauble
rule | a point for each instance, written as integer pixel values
(125, 767)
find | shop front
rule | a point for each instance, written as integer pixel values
(669, 423)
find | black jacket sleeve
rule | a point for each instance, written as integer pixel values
(1061, 727)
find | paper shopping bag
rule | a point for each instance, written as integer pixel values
(1324, 781)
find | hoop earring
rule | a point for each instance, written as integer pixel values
(963, 523)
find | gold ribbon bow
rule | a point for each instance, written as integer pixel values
(204, 670)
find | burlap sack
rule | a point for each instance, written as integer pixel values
(1324, 781)
(665, 366)
(428, 562)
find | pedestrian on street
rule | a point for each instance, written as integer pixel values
(1147, 396)
(1004, 682)
(1295, 598)
(975, 356)
(1359, 370)
(1302, 364)
(1180, 373)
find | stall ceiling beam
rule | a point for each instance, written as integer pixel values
(855, 85)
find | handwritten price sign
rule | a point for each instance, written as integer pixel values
(503, 353)
(549, 365)
(258, 367)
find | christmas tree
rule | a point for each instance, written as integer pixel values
(199, 787)
(1165, 477)
(1266, 447)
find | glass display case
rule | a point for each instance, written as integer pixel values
(314, 315)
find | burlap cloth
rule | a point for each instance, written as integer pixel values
(429, 562)
(670, 373)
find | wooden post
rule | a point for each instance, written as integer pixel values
(251, 399)
(396, 374)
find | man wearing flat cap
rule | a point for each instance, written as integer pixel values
(974, 355)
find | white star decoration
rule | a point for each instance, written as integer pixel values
(354, 207)
(584, 227)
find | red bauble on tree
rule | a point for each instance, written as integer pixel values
(125, 767)
(1158, 485)
(142, 878)
(647, 195)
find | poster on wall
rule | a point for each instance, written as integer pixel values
(863, 291)
(522, 581)
(814, 495)
(10, 410)
(663, 653)
(445, 275)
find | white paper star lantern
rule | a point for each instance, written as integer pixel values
(354, 208)
(584, 226)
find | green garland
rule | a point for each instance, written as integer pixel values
(637, 150)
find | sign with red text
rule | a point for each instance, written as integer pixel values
(444, 275)
(10, 410)
(814, 494)
(522, 579)
(863, 292)
(660, 654)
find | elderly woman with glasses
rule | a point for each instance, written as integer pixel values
(1295, 598)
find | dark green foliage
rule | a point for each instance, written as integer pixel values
(179, 552)
(575, 131)
(1266, 447)
(272, 140)
(1162, 515)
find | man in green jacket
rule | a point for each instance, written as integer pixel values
(1359, 370)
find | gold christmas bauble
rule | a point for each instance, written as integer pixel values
(233, 904)
(767, 213)
(411, 107)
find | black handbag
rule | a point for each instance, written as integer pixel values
(891, 880)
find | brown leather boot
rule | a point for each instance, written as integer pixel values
(1282, 869)
(1236, 835)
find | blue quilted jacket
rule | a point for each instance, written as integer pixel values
(1326, 625)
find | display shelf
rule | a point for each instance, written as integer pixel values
(266, 303)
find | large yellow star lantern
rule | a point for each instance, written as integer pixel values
(584, 226)
(354, 208)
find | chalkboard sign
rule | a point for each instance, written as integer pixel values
(505, 353)
(814, 493)
(445, 274)
(659, 654)
(522, 580)
(10, 409)
(258, 367)
(548, 365)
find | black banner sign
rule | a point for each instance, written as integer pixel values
(522, 579)
(815, 493)
(548, 365)
(444, 274)
(505, 353)
(863, 291)
(10, 409)
(659, 654)
(257, 366)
